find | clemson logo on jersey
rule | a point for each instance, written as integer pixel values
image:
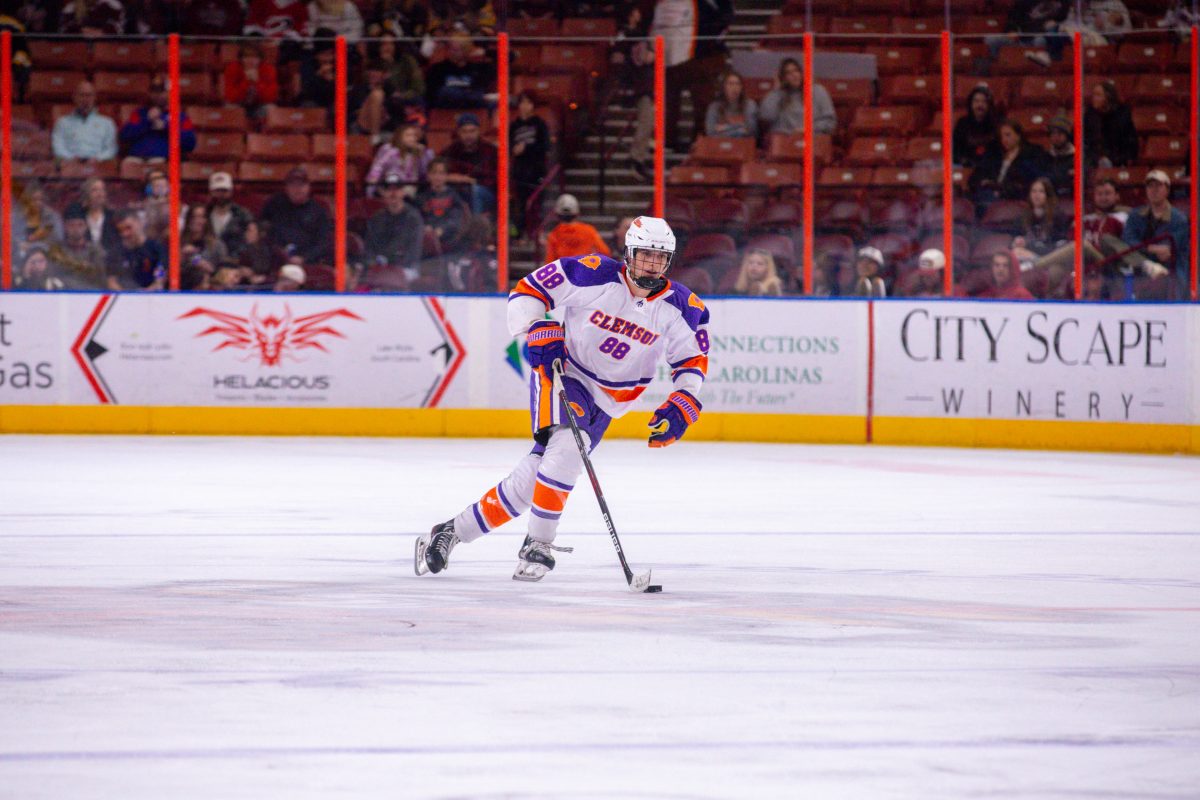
(696, 302)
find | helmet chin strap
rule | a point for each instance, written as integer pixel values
(650, 284)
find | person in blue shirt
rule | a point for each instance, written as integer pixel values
(1160, 220)
(145, 133)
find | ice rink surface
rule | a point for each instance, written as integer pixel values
(238, 618)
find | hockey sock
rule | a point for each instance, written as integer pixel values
(508, 499)
(554, 481)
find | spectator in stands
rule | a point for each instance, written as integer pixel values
(400, 19)
(927, 279)
(339, 16)
(317, 85)
(156, 207)
(212, 18)
(1101, 19)
(632, 60)
(291, 278)
(442, 208)
(782, 110)
(1109, 136)
(470, 157)
(250, 82)
(85, 133)
(366, 102)
(35, 272)
(136, 262)
(1039, 22)
(403, 83)
(22, 64)
(978, 131)
(1008, 170)
(1180, 17)
(298, 225)
(394, 233)
(732, 113)
(473, 17)
(1043, 228)
(1163, 230)
(571, 238)
(101, 223)
(226, 276)
(34, 221)
(75, 254)
(406, 156)
(758, 276)
(1101, 241)
(92, 18)
(198, 241)
(473, 269)
(457, 82)
(618, 234)
(529, 137)
(284, 20)
(1006, 279)
(868, 264)
(695, 53)
(825, 270)
(145, 134)
(255, 257)
(229, 221)
(194, 279)
(1060, 164)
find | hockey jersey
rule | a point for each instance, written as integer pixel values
(614, 338)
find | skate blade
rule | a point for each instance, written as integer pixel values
(419, 565)
(530, 573)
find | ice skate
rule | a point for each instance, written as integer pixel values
(536, 559)
(432, 552)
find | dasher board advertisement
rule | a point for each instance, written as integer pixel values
(1040, 361)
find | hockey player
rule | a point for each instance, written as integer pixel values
(619, 319)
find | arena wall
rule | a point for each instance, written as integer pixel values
(1079, 376)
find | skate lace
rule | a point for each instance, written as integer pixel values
(444, 543)
(545, 547)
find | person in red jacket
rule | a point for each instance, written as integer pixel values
(251, 82)
(571, 238)
(1006, 279)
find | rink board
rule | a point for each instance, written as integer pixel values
(972, 373)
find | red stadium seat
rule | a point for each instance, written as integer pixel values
(860, 24)
(911, 89)
(78, 170)
(850, 91)
(771, 175)
(124, 56)
(843, 176)
(987, 246)
(61, 55)
(1122, 176)
(358, 148)
(887, 120)
(1034, 120)
(200, 172)
(325, 172)
(295, 120)
(1015, 61)
(790, 147)
(31, 144)
(874, 151)
(1164, 89)
(48, 86)
(977, 24)
(896, 247)
(573, 57)
(782, 249)
(293, 147)
(969, 56)
(114, 86)
(722, 150)
(886, 7)
(697, 279)
(263, 171)
(1163, 150)
(891, 60)
(196, 87)
(1126, 84)
(1159, 119)
(1037, 90)
(778, 217)
(558, 90)
(758, 88)
(219, 146)
(697, 175)
(785, 32)
(919, 177)
(527, 58)
(1004, 215)
(1000, 88)
(193, 57)
(925, 148)
(844, 216)
(445, 119)
(721, 215)
(589, 27)
(519, 27)
(1145, 56)
(218, 118)
(837, 246)
(708, 244)
(1100, 60)
(917, 25)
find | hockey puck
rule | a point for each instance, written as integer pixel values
(655, 588)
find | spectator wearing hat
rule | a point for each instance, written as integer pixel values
(227, 219)
(299, 228)
(394, 232)
(1160, 231)
(471, 158)
(442, 208)
(145, 133)
(75, 256)
(569, 237)
(927, 279)
(529, 137)
(1060, 165)
(869, 264)
(1110, 138)
(291, 278)
(977, 132)
(456, 82)
(137, 262)
(84, 134)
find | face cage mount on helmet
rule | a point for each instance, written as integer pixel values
(652, 284)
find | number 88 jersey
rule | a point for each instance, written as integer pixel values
(615, 338)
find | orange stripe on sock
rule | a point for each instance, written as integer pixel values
(624, 395)
(493, 509)
(547, 498)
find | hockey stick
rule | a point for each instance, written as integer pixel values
(637, 583)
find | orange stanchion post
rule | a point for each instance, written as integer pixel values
(502, 164)
(660, 126)
(1195, 171)
(340, 76)
(947, 167)
(1078, 187)
(808, 164)
(174, 132)
(6, 161)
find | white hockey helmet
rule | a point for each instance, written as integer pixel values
(649, 233)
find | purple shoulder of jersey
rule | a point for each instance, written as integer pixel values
(591, 270)
(694, 312)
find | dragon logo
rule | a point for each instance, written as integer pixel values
(271, 338)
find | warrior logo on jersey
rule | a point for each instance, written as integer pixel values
(271, 338)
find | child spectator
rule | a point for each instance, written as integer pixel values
(757, 275)
(1006, 279)
(978, 131)
(156, 207)
(868, 264)
(85, 133)
(469, 156)
(571, 238)
(1008, 170)
(1109, 136)
(250, 82)
(442, 208)
(145, 133)
(782, 110)
(529, 137)
(732, 113)
(406, 156)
